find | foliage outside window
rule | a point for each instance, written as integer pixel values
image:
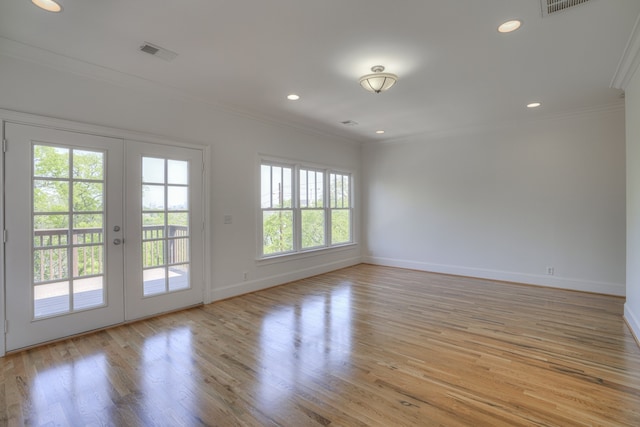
(303, 208)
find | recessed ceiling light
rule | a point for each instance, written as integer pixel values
(379, 132)
(534, 105)
(293, 97)
(48, 5)
(509, 26)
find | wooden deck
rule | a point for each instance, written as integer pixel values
(363, 346)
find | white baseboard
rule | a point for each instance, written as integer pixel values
(633, 321)
(271, 281)
(617, 289)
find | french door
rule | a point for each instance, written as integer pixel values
(69, 232)
(164, 262)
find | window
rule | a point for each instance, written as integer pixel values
(339, 192)
(303, 208)
(277, 209)
(312, 215)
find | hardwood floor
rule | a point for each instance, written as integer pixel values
(363, 346)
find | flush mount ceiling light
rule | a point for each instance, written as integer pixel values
(378, 81)
(534, 105)
(380, 132)
(293, 97)
(48, 5)
(510, 26)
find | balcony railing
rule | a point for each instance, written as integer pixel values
(50, 259)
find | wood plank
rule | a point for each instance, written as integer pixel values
(362, 346)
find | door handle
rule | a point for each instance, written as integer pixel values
(117, 241)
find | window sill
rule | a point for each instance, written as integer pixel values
(273, 259)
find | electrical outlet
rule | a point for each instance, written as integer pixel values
(550, 271)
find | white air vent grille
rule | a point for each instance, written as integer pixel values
(550, 7)
(158, 51)
(349, 123)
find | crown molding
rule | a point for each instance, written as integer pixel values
(630, 60)
(490, 127)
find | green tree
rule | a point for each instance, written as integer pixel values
(277, 232)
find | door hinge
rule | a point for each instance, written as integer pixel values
(6, 326)
(4, 145)
(5, 236)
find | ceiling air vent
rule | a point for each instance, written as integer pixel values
(549, 7)
(158, 51)
(349, 123)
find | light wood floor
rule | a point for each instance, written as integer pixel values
(361, 346)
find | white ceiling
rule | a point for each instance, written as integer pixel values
(455, 70)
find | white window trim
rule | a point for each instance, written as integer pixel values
(298, 252)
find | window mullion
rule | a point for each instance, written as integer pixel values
(295, 205)
(326, 206)
(271, 186)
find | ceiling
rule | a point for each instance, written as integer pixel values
(455, 70)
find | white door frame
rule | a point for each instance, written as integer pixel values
(72, 126)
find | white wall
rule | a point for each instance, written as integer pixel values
(235, 142)
(632, 305)
(505, 203)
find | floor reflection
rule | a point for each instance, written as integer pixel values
(320, 345)
(167, 382)
(77, 392)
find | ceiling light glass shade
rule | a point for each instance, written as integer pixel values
(509, 26)
(378, 81)
(48, 5)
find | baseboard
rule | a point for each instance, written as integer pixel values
(633, 321)
(271, 281)
(617, 289)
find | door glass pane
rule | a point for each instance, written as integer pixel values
(153, 253)
(165, 232)
(87, 196)
(51, 299)
(152, 170)
(68, 256)
(153, 197)
(88, 293)
(88, 165)
(87, 228)
(50, 264)
(50, 196)
(177, 198)
(155, 281)
(87, 260)
(178, 250)
(50, 230)
(179, 277)
(154, 218)
(180, 223)
(50, 162)
(178, 172)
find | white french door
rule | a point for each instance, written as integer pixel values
(94, 240)
(63, 198)
(164, 262)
